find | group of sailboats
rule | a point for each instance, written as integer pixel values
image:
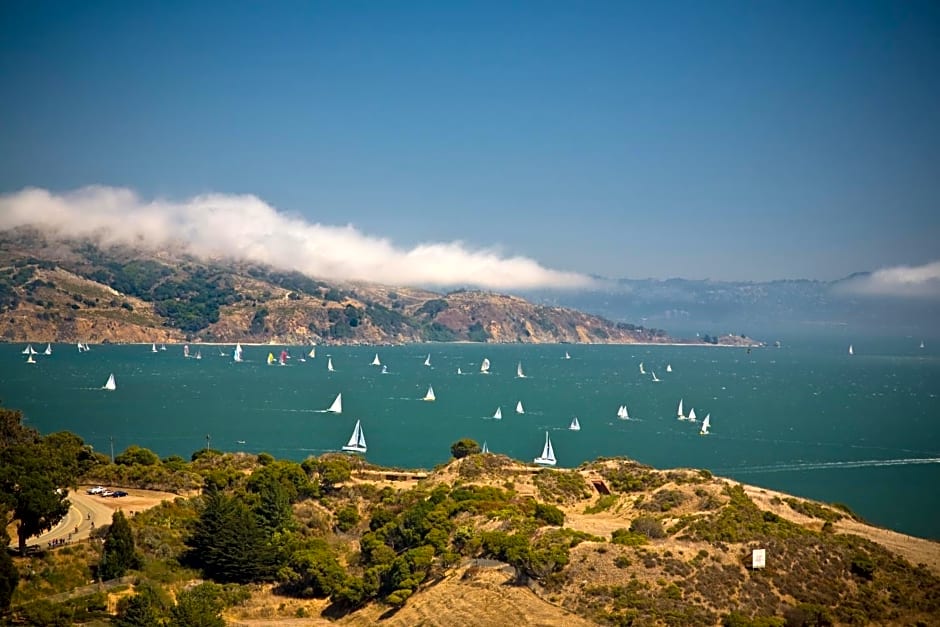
(706, 422)
(30, 353)
(622, 413)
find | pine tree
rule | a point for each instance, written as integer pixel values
(119, 555)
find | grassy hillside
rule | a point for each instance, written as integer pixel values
(488, 540)
(79, 291)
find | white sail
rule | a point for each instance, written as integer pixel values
(237, 355)
(567, 356)
(485, 366)
(329, 364)
(485, 448)
(519, 409)
(153, 348)
(430, 395)
(80, 347)
(357, 442)
(519, 372)
(427, 360)
(922, 343)
(547, 458)
(337, 406)
(48, 350)
(28, 350)
(642, 371)
(498, 414)
(375, 361)
(706, 424)
(30, 359)
(575, 425)
(384, 369)
(313, 353)
(110, 384)
(692, 415)
(679, 411)
(622, 413)
(163, 347)
(655, 378)
(851, 350)
(459, 371)
(668, 368)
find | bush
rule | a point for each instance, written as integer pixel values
(347, 518)
(464, 447)
(648, 526)
(136, 455)
(628, 537)
(549, 514)
(863, 566)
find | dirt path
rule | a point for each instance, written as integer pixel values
(89, 511)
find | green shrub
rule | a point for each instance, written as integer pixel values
(648, 526)
(549, 514)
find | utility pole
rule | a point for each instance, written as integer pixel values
(112, 448)
(207, 442)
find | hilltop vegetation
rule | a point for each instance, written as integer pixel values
(613, 541)
(79, 291)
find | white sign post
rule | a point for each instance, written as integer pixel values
(758, 558)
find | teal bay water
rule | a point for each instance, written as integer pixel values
(806, 418)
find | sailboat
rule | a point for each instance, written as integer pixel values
(459, 371)
(691, 417)
(271, 359)
(485, 448)
(29, 359)
(430, 395)
(153, 348)
(642, 371)
(519, 373)
(375, 361)
(851, 350)
(86, 347)
(48, 350)
(282, 360)
(679, 411)
(655, 378)
(29, 350)
(427, 360)
(163, 347)
(547, 458)
(384, 369)
(519, 409)
(668, 367)
(922, 343)
(498, 414)
(337, 406)
(357, 442)
(185, 350)
(80, 347)
(575, 425)
(485, 366)
(706, 424)
(313, 353)
(198, 354)
(237, 355)
(622, 413)
(110, 384)
(329, 364)
(567, 356)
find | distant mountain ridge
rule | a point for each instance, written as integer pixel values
(742, 306)
(53, 290)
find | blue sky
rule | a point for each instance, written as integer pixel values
(729, 140)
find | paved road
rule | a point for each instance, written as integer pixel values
(87, 512)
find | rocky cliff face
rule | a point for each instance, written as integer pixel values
(77, 291)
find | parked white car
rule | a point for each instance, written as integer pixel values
(96, 490)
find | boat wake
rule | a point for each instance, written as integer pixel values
(800, 466)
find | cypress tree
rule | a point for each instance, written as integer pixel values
(119, 555)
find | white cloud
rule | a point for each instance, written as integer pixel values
(907, 281)
(247, 228)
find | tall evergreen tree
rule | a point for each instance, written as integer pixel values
(229, 543)
(119, 555)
